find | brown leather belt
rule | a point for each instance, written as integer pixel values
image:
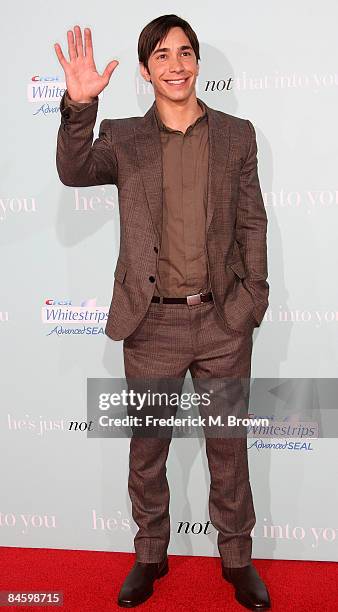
(191, 300)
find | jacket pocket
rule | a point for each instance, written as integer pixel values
(238, 268)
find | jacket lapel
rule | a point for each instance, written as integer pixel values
(149, 154)
(219, 145)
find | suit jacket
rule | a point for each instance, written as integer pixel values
(127, 153)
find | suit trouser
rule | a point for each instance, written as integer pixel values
(171, 339)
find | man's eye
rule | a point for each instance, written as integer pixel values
(164, 54)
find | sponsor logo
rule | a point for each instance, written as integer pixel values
(290, 445)
(45, 78)
(66, 317)
(59, 330)
(277, 435)
(38, 92)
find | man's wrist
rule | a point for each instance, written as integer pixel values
(82, 101)
(79, 103)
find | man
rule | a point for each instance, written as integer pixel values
(190, 280)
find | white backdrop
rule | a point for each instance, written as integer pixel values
(275, 65)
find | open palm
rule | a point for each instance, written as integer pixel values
(83, 81)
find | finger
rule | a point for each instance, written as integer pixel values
(109, 69)
(71, 46)
(60, 56)
(78, 41)
(88, 48)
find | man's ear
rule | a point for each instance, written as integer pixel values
(144, 72)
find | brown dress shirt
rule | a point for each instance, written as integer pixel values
(182, 263)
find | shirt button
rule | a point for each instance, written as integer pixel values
(156, 249)
(152, 279)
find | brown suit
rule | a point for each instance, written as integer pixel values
(212, 340)
(127, 153)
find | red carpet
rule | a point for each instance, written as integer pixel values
(90, 582)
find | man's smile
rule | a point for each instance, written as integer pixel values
(176, 82)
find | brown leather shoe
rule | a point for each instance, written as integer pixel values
(250, 590)
(138, 586)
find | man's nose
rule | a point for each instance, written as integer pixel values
(175, 65)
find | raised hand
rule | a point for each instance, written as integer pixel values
(83, 81)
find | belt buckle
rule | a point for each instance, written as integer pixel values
(194, 299)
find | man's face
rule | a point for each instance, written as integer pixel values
(172, 60)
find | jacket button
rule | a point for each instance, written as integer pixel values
(152, 279)
(156, 249)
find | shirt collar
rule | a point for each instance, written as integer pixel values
(165, 128)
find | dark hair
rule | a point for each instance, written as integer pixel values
(155, 31)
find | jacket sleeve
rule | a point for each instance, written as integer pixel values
(251, 229)
(79, 161)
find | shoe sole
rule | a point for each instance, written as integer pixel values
(129, 604)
